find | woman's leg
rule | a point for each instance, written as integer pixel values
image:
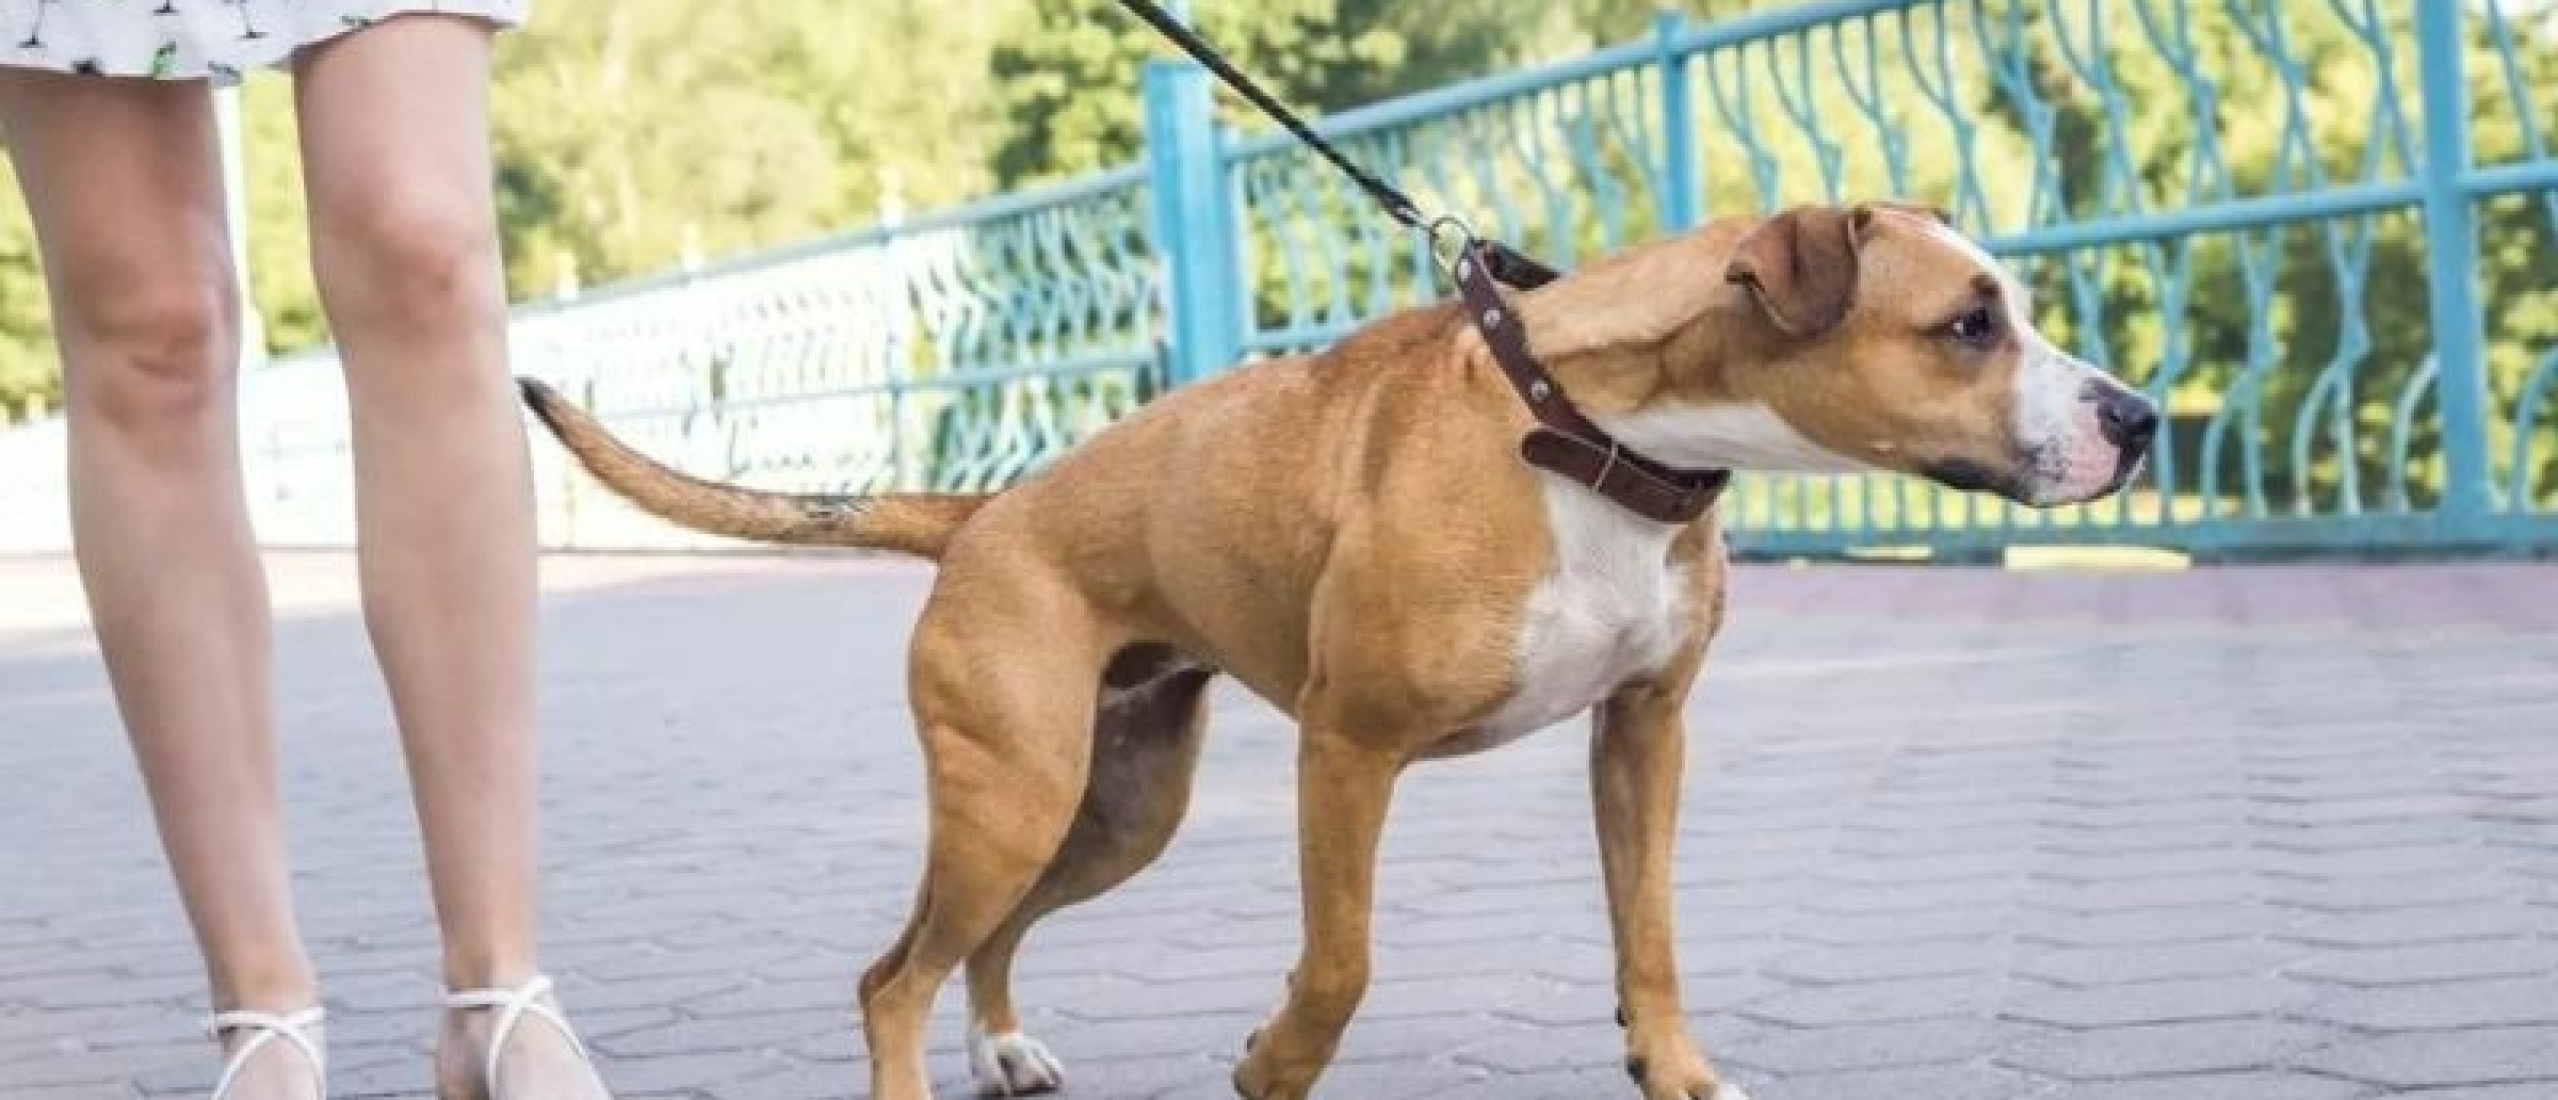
(122, 179)
(404, 241)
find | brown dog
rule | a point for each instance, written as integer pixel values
(1353, 536)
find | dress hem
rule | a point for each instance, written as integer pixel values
(499, 15)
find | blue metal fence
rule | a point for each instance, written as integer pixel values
(2269, 213)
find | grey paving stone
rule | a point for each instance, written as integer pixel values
(2375, 893)
(1824, 965)
(1561, 1084)
(2146, 1050)
(1968, 1082)
(400, 991)
(2531, 1001)
(96, 1091)
(2528, 1091)
(810, 994)
(2223, 1086)
(695, 1071)
(2153, 926)
(1196, 1034)
(176, 1067)
(2151, 892)
(1935, 870)
(1865, 929)
(2413, 964)
(68, 1069)
(403, 1078)
(673, 1038)
(650, 993)
(1566, 1047)
(2443, 859)
(1882, 1002)
(1790, 1052)
(2478, 1056)
(1394, 1078)
(2097, 967)
(2413, 927)
(2367, 835)
(1918, 897)
(2236, 997)
(2138, 865)
(2064, 835)
(2414, 804)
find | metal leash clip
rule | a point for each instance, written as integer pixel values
(1452, 244)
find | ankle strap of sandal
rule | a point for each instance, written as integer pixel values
(292, 1027)
(512, 1005)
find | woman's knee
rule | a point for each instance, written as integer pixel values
(409, 258)
(156, 353)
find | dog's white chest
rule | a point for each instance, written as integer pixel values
(1614, 608)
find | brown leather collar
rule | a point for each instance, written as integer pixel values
(1565, 441)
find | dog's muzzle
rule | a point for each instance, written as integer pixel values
(2111, 431)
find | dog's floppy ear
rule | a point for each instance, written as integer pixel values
(1800, 265)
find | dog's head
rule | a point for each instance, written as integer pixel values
(1877, 337)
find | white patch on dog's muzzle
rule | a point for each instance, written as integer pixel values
(2068, 455)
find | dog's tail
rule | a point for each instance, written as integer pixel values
(908, 523)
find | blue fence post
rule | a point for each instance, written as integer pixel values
(1194, 220)
(2451, 254)
(1681, 194)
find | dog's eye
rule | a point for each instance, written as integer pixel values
(1977, 327)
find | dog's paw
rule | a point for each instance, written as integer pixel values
(1253, 1083)
(1680, 1076)
(1012, 1064)
(1259, 1076)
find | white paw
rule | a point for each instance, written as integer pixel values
(1729, 1091)
(1012, 1064)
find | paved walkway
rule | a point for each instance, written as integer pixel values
(2246, 834)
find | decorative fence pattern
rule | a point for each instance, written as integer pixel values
(2269, 213)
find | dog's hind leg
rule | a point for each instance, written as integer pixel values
(1006, 727)
(1145, 751)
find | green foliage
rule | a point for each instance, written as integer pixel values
(27, 369)
(1067, 70)
(632, 134)
(279, 244)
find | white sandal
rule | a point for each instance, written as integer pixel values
(511, 1005)
(269, 1026)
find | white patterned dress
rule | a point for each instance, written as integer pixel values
(196, 39)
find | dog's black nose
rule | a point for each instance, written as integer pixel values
(2129, 420)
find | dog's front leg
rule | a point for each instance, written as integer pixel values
(1343, 786)
(1637, 755)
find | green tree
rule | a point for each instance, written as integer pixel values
(632, 133)
(1068, 70)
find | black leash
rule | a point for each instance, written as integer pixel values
(1398, 205)
(1503, 263)
(1566, 442)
